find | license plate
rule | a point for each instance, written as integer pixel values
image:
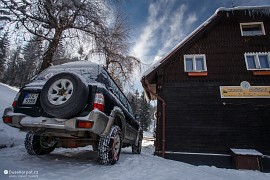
(30, 98)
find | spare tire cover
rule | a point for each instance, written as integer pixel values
(64, 95)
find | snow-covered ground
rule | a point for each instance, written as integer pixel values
(8, 136)
(81, 163)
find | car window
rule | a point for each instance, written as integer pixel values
(106, 79)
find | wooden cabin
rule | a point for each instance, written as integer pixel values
(213, 90)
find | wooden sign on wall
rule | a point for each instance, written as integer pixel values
(245, 91)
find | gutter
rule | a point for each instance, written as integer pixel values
(163, 113)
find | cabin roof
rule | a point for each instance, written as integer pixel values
(250, 9)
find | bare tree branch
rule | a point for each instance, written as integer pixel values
(50, 19)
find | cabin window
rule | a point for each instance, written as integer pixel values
(195, 63)
(252, 29)
(257, 61)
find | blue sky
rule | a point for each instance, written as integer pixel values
(159, 25)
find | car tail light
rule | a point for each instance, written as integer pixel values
(84, 124)
(7, 119)
(14, 104)
(99, 102)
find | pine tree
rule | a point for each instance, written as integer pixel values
(12, 67)
(20, 72)
(32, 52)
(134, 100)
(141, 108)
(4, 49)
(144, 112)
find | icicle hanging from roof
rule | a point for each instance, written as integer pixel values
(249, 11)
(252, 12)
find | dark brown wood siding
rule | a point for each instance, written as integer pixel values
(197, 118)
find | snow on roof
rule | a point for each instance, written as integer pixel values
(241, 8)
(246, 152)
(210, 19)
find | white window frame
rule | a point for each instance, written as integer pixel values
(257, 62)
(193, 57)
(252, 23)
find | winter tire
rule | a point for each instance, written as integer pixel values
(109, 147)
(38, 145)
(64, 95)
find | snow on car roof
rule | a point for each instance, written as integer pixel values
(88, 70)
(79, 63)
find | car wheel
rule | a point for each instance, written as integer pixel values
(136, 149)
(39, 145)
(109, 147)
(64, 95)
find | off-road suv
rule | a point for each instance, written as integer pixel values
(74, 105)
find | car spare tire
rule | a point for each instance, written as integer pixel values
(64, 95)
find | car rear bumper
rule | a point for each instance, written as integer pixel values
(97, 119)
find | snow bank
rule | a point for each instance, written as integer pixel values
(8, 136)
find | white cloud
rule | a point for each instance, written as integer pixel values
(192, 18)
(147, 39)
(166, 26)
(157, 58)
